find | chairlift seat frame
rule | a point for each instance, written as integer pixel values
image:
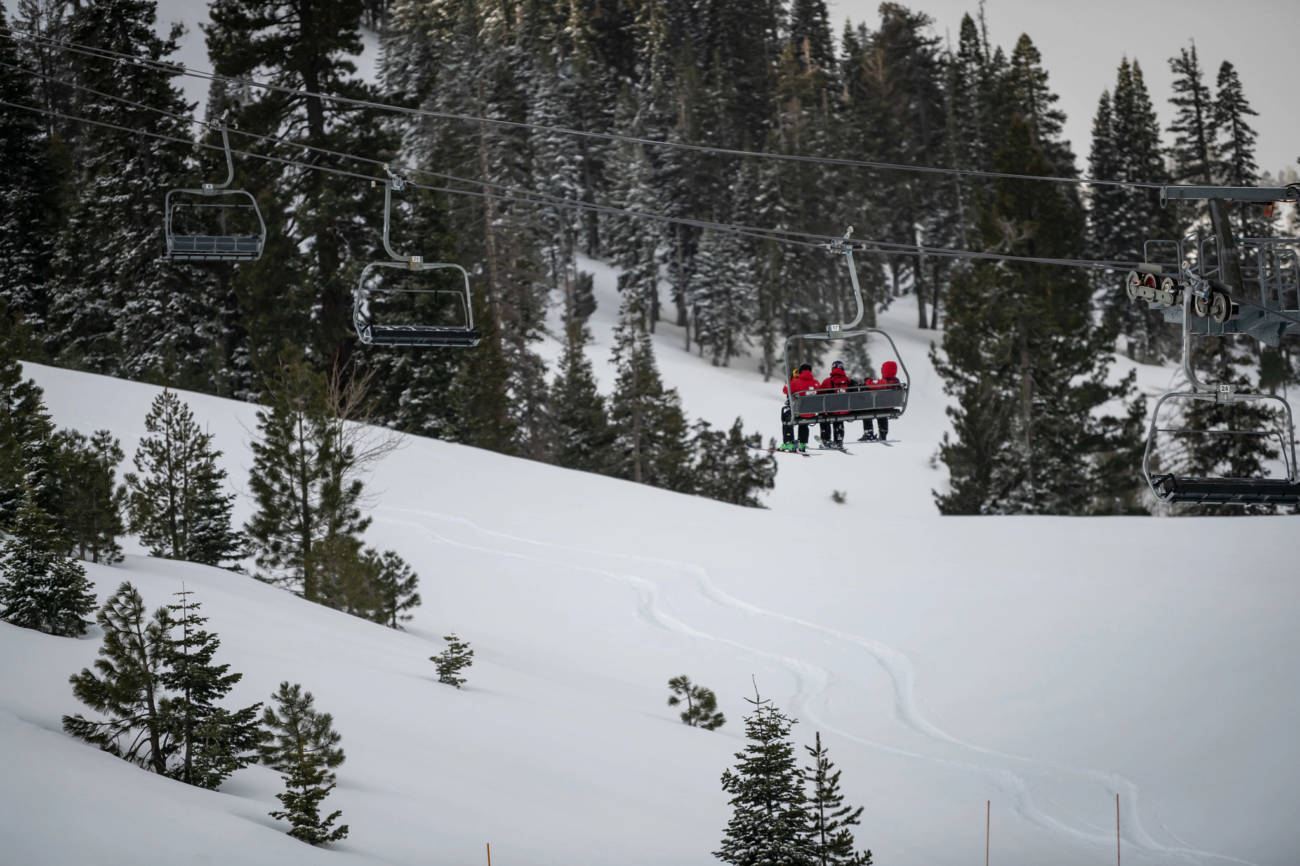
(857, 402)
(191, 247)
(421, 336)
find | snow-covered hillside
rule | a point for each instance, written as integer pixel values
(1042, 664)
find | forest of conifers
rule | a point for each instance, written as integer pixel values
(1024, 348)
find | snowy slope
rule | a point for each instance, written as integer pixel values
(1042, 664)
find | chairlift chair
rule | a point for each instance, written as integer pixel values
(1174, 487)
(376, 333)
(860, 401)
(212, 199)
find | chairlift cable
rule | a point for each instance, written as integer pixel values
(784, 236)
(180, 69)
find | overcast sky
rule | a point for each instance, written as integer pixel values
(1082, 44)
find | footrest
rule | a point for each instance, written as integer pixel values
(214, 247)
(1223, 491)
(423, 335)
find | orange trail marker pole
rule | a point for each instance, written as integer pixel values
(489, 850)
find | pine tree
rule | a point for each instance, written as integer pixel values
(1237, 165)
(306, 783)
(726, 469)
(830, 836)
(305, 46)
(452, 660)
(126, 686)
(1121, 225)
(701, 704)
(345, 580)
(211, 742)
(39, 587)
(394, 586)
(580, 423)
(89, 507)
(302, 480)
(1194, 150)
(650, 443)
(177, 502)
(1027, 365)
(117, 308)
(291, 723)
(29, 188)
(769, 820)
(25, 424)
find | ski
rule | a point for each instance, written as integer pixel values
(779, 451)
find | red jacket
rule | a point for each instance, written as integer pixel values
(838, 381)
(804, 383)
(888, 376)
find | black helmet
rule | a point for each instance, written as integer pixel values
(837, 365)
(807, 367)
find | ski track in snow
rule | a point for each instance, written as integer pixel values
(812, 680)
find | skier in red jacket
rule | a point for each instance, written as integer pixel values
(837, 381)
(801, 382)
(888, 378)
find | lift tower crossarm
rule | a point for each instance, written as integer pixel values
(1263, 194)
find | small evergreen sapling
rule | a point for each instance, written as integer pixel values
(701, 704)
(211, 741)
(39, 587)
(293, 721)
(306, 784)
(302, 744)
(456, 656)
(829, 819)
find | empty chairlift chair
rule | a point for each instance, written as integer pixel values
(214, 223)
(382, 278)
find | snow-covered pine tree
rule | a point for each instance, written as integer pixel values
(1236, 164)
(304, 45)
(580, 423)
(1022, 356)
(292, 721)
(724, 302)
(117, 307)
(1120, 232)
(650, 441)
(177, 500)
(1194, 151)
(210, 741)
(701, 704)
(829, 820)
(307, 782)
(40, 587)
(89, 506)
(303, 480)
(725, 468)
(29, 187)
(126, 688)
(452, 660)
(769, 819)
(25, 423)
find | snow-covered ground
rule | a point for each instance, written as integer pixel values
(1042, 664)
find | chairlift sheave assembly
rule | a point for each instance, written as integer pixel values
(1210, 291)
(371, 286)
(859, 402)
(196, 222)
